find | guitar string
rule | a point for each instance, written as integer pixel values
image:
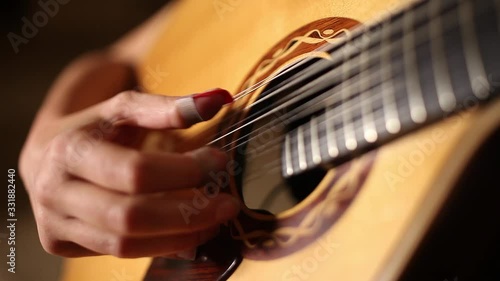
(282, 86)
(298, 94)
(360, 128)
(352, 83)
(337, 47)
(306, 73)
(272, 167)
(357, 31)
(272, 92)
(275, 165)
(325, 48)
(273, 194)
(267, 80)
(328, 48)
(353, 105)
(307, 106)
(318, 102)
(307, 133)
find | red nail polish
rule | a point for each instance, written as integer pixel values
(216, 92)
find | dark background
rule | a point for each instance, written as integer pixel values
(79, 26)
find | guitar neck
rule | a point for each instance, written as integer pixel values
(418, 66)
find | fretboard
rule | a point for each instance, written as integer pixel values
(418, 66)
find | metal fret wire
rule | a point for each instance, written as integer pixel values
(393, 124)
(418, 112)
(300, 63)
(292, 98)
(306, 73)
(370, 132)
(352, 105)
(475, 67)
(319, 100)
(275, 165)
(444, 88)
(350, 137)
(357, 129)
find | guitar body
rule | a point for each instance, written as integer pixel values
(367, 218)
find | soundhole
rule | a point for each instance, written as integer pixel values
(259, 152)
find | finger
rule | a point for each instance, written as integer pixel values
(172, 213)
(130, 171)
(108, 243)
(162, 112)
(69, 249)
(50, 227)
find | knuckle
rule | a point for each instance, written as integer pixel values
(53, 171)
(43, 195)
(121, 104)
(121, 247)
(43, 191)
(52, 245)
(125, 218)
(136, 171)
(124, 97)
(63, 153)
(58, 147)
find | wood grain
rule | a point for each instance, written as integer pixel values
(203, 48)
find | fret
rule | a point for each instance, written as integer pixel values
(349, 134)
(392, 123)
(332, 145)
(331, 137)
(474, 62)
(370, 132)
(350, 141)
(419, 66)
(301, 148)
(418, 112)
(365, 92)
(315, 144)
(445, 94)
(288, 156)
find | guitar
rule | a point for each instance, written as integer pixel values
(363, 138)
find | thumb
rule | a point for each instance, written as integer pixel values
(162, 112)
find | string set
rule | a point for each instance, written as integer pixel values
(329, 97)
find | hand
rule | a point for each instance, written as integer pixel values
(94, 192)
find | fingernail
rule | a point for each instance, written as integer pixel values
(209, 103)
(228, 210)
(218, 93)
(201, 107)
